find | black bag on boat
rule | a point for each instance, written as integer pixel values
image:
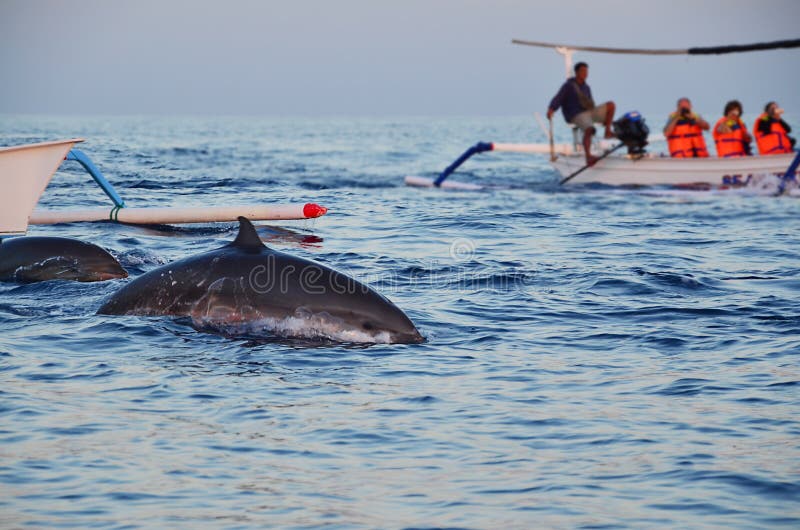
(632, 131)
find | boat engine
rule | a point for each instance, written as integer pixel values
(632, 131)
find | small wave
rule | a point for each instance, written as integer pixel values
(621, 287)
(685, 282)
(590, 234)
(748, 483)
(778, 318)
(659, 312)
(785, 384)
(690, 387)
(21, 311)
(672, 343)
(199, 184)
(328, 184)
(187, 151)
(701, 508)
(531, 215)
(499, 281)
(426, 399)
(194, 230)
(139, 259)
(148, 184)
(752, 277)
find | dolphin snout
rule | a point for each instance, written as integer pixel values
(102, 271)
(408, 337)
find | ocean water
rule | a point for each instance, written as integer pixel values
(595, 358)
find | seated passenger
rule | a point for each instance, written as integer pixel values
(772, 133)
(730, 134)
(684, 132)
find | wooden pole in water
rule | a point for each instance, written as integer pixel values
(211, 214)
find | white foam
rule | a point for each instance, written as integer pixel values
(302, 324)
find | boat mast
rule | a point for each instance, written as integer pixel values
(567, 54)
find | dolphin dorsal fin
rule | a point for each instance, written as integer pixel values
(247, 237)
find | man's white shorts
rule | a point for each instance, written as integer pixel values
(585, 119)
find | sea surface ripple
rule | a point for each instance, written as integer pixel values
(595, 358)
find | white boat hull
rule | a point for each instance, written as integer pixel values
(664, 171)
(25, 171)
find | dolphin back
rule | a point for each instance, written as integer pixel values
(34, 259)
(246, 287)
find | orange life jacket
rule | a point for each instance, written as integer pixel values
(731, 143)
(774, 142)
(686, 140)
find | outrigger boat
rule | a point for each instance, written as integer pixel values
(26, 170)
(652, 170)
(641, 169)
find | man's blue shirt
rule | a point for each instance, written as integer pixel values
(567, 98)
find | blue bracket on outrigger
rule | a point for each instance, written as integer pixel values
(480, 147)
(80, 157)
(790, 173)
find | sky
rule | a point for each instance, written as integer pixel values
(382, 58)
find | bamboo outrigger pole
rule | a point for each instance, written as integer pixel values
(26, 170)
(172, 215)
(708, 50)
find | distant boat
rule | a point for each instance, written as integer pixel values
(625, 170)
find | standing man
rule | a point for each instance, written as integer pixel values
(575, 100)
(684, 132)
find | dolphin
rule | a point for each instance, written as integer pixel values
(245, 287)
(35, 259)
